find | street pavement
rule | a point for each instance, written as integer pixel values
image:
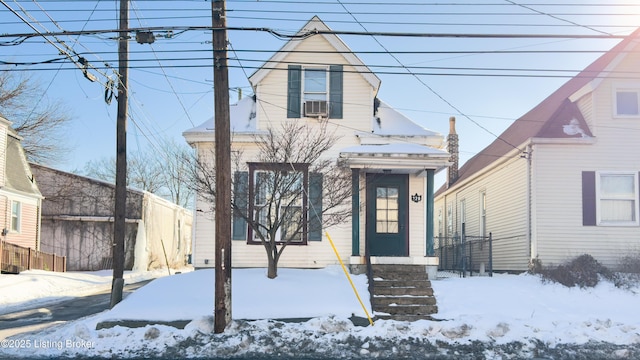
(40, 317)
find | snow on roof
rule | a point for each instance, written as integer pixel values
(242, 118)
(389, 121)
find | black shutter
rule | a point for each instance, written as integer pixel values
(315, 207)
(294, 89)
(241, 200)
(335, 92)
(589, 198)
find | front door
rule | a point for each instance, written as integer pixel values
(387, 220)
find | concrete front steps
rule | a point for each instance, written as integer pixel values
(402, 292)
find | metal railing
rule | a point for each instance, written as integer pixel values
(465, 255)
(15, 258)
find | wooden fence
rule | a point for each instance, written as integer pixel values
(14, 259)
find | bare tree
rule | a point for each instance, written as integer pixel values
(278, 203)
(39, 121)
(177, 175)
(160, 172)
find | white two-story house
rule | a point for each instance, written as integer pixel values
(318, 81)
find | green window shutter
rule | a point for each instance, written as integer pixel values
(315, 207)
(294, 89)
(589, 198)
(241, 200)
(335, 92)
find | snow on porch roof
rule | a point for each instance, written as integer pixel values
(400, 149)
(398, 156)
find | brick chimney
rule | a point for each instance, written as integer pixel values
(452, 148)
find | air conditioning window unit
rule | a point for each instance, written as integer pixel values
(315, 108)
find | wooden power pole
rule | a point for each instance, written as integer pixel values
(121, 158)
(222, 311)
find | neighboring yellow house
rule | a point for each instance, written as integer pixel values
(562, 180)
(319, 81)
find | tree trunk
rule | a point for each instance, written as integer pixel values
(272, 269)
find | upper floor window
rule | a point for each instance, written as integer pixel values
(315, 84)
(627, 102)
(314, 91)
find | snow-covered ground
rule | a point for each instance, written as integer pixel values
(503, 316)
(39, 287)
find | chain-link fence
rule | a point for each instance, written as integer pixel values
(462, 255)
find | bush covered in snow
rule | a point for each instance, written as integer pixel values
(583, 271)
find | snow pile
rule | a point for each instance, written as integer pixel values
(482, 317)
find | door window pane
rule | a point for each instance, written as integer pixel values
(387, 205)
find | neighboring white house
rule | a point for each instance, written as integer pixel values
(319, 81)
(562, 180)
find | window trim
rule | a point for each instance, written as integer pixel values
(302, 167)
(625, 87)
(304, 93)
(463, 216)
(483, 214)
(599, 198)
(17, 216)
(449, 225)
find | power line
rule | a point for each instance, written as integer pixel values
(426, 85)
(555, 17)
(307, 34)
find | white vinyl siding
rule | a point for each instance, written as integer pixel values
(357, 92)
(506, 212)
(559, 230)
(417, 226)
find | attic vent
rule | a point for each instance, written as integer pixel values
(315, 108)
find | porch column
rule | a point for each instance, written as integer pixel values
(430, 214)
(355, 212)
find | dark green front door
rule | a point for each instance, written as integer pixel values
(387, 210)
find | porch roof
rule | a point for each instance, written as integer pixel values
(391, 156)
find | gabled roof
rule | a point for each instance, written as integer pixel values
(555, 117)
(313, 25)
(17, 174)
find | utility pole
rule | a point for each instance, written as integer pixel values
(120, 208)
(222, 311)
